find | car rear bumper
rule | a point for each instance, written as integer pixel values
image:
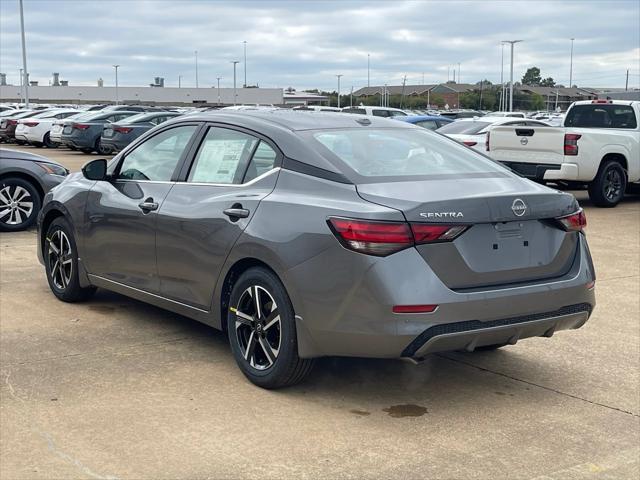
(351, 315)
(545, 171)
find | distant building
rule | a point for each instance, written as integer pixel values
(144, 95)
(303, 98)
(560, 97)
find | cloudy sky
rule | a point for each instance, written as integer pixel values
(304, 44)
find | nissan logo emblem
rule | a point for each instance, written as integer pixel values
(518, 207)
(524, 141)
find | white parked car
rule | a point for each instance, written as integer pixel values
(376, 111)
(36, 130)
(507, 114)
(318, 108)
(473, 131)
(597, 146)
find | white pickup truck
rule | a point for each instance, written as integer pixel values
(597, 146)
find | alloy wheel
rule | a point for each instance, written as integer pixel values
(258, 327)
(612, 184)
(16, 205)
(60, 259)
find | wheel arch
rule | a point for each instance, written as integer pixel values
(616, 157)
(26, 177)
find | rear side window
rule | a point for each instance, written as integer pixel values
(361, 111)
(380, 113)
(428, 124)
(601, 116)
(263, 160)
(402, 153)
(222, 157)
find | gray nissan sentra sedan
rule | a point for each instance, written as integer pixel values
(304, 235)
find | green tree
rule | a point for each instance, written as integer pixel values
(536, 102)
(548, 82)
(532, 76)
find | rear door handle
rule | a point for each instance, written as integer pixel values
(148, 205)
(236, 212)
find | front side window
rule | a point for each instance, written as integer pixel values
(380, 113)
(222, 157)
(157, 158)
(402, 153)
(360, 111)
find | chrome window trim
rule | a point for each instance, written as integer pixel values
(260, 177)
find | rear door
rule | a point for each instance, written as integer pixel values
(121, 214)
(526, 144)
(203, 216)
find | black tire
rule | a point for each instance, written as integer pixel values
(607, 189)
(101, 149)
(72, 148)
(284, 368)
(19, 142)
(86, 150)
(19, 217)
(46, 141)
(63, 281)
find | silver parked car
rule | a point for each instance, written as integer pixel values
(305, 235)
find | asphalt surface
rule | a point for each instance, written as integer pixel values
(114, 388)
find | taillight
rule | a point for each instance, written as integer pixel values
(486, 142)
(384, 238)
(80, 126)
(575, 222)
(414, 308)
(469, 143)
(122, 129)
(12, 122)
(571, 143)
(373, 238)
(30, 124)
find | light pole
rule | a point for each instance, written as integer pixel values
(196, 53)
(340, 75)
(245, 64)
(459, 79)
(179, 81)
(502, 78)
(368, 70)
(117, 98)
(235, 95)
(25, 80)
(571, 65)
(512, 42)
(218, 78)
(21, 86)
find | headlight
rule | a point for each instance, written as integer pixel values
(53, 169)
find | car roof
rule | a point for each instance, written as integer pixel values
(19, 155)
(292, 119)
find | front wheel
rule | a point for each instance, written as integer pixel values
(19, 204)
(262, 331)
(607, 189)
(47, 141)
(61, 263)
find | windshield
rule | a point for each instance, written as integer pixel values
(463, 128)
(402, 152)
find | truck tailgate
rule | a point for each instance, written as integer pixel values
(527, 144)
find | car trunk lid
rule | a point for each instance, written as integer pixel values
(511, 238)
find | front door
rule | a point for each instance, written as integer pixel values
(203, 216)
(121, 214)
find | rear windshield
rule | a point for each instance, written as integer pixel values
(601, 116)
(464, 128)
(140, 117)
(402, 152)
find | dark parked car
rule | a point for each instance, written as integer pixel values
(9, 123)
(116, 136)
(24, 180)
(85, 134)
(430, 122)
(456, 114)
(305, 235)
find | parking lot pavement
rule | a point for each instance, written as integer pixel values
(114, 388)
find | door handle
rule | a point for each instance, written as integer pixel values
(148, 205)
(236, 212)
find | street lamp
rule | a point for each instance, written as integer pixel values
(117, 98)
(235, 95)
(339, 89)
(368, 70)
(21, 84)
(218, 78)
(25, 78)
(502, 106)
(571, 65)
(179, 81)
(196, 53)
(245, 64)
(512, 42)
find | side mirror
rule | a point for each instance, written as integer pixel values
(95, 169)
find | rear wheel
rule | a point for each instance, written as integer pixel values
(262, 332)
(607, 189)
(47, 141)
(19, 204)
(61, 263)
(101, 149)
